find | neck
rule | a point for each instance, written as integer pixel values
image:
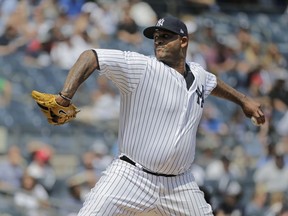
(181, 67)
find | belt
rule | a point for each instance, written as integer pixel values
(128, 160)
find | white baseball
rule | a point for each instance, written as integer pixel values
(254, 121)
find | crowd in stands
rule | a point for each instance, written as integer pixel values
(243, 169)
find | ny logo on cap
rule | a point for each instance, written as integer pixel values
(160, 22)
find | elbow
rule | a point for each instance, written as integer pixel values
(90, 57)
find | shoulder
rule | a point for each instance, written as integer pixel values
(195, 66)
(197, 69)
(119, 53)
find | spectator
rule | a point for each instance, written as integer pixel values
(36, 17)
(74, 201)
(284, 210)
(282, 126)
(282, 146)
(223, 171)
(199, 174)
(5, 92)
(279, 94)
(141, 7)
(230, 201)
(212, 122)
(105, 17)
(105, 105)
(255, 82)
(11, 170)
(276, 202)
(85, 177)
(252, 51)
(93, 163)
(41, 169)
(194, 53)
(226, 57)
(71, 7)
(279, 102)
(257, 204)
(274, 174)
(207, 35)
(39, 45)
(87, 170)
(128, 32)
(68, 43)
(238, 128)
(102, 156)
(267, 156)
(273, 58)
(32, 198)
(10, 40)
(7, 7)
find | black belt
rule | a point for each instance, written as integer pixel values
(128, 160)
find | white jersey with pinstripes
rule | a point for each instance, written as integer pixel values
(159, 116)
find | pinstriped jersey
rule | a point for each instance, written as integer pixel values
(159, 115)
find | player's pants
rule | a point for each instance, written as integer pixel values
(126, 190)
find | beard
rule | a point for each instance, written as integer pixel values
(162, 55)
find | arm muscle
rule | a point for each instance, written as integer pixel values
(80, 71)
(225, 91)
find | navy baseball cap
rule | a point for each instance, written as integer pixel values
(168, 23)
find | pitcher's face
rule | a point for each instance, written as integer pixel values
(168, 46)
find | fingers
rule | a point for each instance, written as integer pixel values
(259, 116)
(260, 120)
(260, 112)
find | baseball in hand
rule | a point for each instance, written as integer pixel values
(254, 121)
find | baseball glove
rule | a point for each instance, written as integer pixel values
(55, 113)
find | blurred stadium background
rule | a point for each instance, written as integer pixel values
(243, 169)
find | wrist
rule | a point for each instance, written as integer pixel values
(241, 99)
(61, 101)
(64, 97)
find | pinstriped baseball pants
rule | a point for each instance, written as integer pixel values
(125, 190)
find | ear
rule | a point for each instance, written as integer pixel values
(184, 41)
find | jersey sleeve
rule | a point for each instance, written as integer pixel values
(208, 79)
(211, 82)
(124, 68)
